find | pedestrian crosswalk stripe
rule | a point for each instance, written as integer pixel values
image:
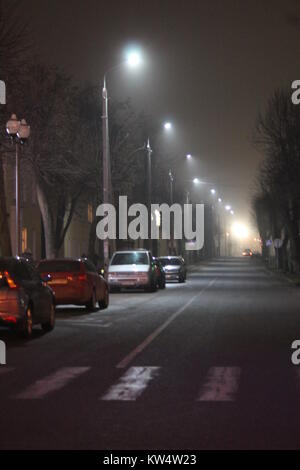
(51, 383)
(221, 384)
(132, 384)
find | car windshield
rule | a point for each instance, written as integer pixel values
(130, 258)
(59, 266)
(170, 261)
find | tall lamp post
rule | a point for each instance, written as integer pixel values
(19, 131)
(149, 190)
(133, 60)
(106, 163)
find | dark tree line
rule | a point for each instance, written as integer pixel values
(276, 203)
(64, 153)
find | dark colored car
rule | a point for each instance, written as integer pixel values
(174, 267)
(76, 282)
(247, 252)
(160, 274)
(25, 297)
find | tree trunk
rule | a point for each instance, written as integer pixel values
(5, 242)
(295, 244)
(47, 221)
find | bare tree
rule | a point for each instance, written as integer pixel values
(277, 135)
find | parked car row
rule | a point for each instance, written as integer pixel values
(139, 269)
(29, 293)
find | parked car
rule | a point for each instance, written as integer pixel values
(132, 268)
(25, 297)
(76, 281)
(174, 267)
(161, 276)
(247, 252)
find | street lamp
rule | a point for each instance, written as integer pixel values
(133, 60)
(213, 191)
(19, 131)
(196, 181)
(189, 156)
(168, 126)
(227, 207)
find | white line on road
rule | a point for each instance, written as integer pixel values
(52, 382)
(221, 384)
(127, 359)
(132, 384)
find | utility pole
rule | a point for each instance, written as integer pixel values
(171, 249)
(105, 164)
(149, 192)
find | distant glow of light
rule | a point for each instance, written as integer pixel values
(213, 191)
(196, 181)
(189, 156)
(168, 126)
(134, 58)
(219, 199)
(240, 231)
(228, 207)
(232, 212)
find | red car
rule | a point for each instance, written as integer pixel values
(75, 281)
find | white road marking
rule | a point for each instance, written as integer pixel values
(52, 382)
(127, 359)
(132, 384)
(221, 384)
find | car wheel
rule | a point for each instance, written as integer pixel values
(162, 284)
(49, 325)
(105, 301)
(91, 305)
(181, 279)
(24, 327)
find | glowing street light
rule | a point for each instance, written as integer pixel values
(213, 191)
(168, 126)
(196, 181)
(232, 212)
(134, 58)
(227, 207)
(189, 156)
(219, 199)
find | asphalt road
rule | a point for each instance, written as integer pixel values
(200, 365)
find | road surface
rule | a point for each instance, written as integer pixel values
(200, 365)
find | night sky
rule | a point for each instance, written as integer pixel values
(209, 68)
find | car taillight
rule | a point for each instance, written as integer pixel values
(82, 277)
(5, 276)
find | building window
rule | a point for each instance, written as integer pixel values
(24, 239)
(90, 213)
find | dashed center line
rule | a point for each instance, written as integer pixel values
(127, 359)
